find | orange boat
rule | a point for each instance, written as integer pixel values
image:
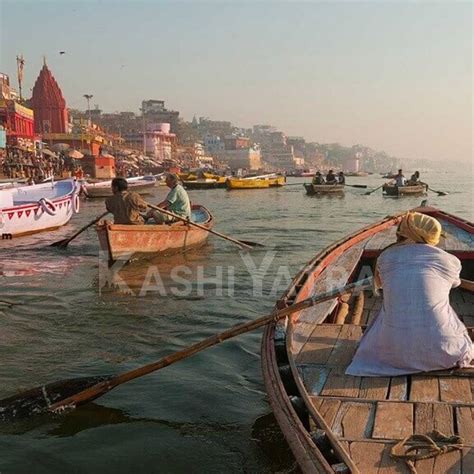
(124, 242)
(338, 423)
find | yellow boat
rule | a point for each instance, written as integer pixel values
(259, 182)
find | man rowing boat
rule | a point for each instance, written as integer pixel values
(126, 206)
(416, 330)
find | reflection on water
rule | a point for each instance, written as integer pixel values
(59, 320)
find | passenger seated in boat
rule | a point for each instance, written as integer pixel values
(125, 205)
(331, 178)
(416, 330)
(177, 201)
(400, 179)
(341, 179)
(415, 179)
(318, 178)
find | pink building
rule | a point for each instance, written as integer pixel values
(159, 142)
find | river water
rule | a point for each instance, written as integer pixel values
(61, 317)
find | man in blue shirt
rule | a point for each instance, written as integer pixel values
(177, 202)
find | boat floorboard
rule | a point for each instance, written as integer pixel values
(369, 414)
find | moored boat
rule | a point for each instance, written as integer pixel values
(312, 189)
(39, 207)
(335, 422)
(123, 242)
(409, 190)
(100, 189)
(257, 182)
(206, 183)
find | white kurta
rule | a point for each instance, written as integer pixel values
(416, 330)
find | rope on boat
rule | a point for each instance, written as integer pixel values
(425, 447)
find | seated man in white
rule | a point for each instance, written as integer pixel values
(416, 330)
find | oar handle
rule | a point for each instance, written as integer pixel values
(103, 387)
(195, 224)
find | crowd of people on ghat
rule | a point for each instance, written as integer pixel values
(331, 178)
(35, 166)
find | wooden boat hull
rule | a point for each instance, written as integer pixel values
(263, 183)
(416, 190)
(24, 212)
(204, 184)
(124, 242)
(334, 421)
(312, 189)
(103, 189)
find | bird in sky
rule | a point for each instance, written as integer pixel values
(62, 52)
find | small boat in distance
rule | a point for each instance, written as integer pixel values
(206, 183)
(409, 190)
(124, 242)
(256, 182)
(314, 189)
(101, 189)
(39, 207)
(335, 422)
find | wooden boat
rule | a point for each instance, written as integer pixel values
(123, 242)
(257, 182)
(339, 423)
(312, 189)
(139, 184)
(39, 207)
(206, 183)
(409, 190)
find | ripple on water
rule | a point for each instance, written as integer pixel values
(60, 323)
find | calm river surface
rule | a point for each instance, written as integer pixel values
(206, 414)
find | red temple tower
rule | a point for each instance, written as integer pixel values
(48, 104)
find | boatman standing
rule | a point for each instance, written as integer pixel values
(177, 202)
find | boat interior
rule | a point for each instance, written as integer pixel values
(32, 194)
(199, 215)
(355, 421)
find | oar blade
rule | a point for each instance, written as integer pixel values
(38, 400)
(250, 243)
(60, 243)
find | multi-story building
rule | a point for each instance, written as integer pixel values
(157, 141)
(213, 144)
(233, 142)
(246, 158)
(218, 128)
(154, 111)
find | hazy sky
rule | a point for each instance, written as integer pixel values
(393, 75)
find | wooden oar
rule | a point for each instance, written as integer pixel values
(439, 193)
(70, 393)
(64, 243)
(373, 190)
(241, 243)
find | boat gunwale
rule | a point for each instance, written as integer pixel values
(109, 229)
(269, 362)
